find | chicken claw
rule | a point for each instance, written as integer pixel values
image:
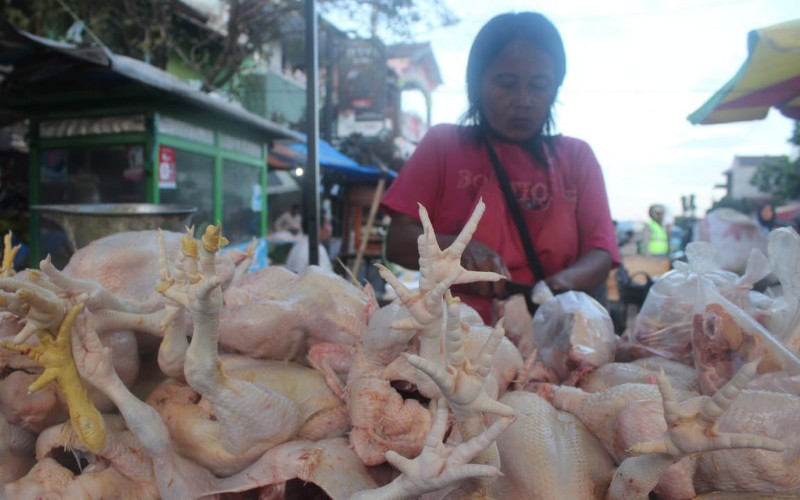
(9, 252)
(45, 310)
(689, 433)
(426, 309)
(436, 265)
(462, 382)
(438, 466)
(55, 355)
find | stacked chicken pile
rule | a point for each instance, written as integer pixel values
(275, 385)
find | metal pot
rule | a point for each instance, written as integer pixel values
(85, 223)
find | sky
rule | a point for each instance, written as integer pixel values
(635, 70)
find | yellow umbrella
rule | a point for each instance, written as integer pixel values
(770, 77)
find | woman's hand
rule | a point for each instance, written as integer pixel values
(480, 257)
(401, 248)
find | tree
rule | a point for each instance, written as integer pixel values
(781, 177)
(743, 205)
(157, 30)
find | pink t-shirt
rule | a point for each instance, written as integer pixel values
(565, 205)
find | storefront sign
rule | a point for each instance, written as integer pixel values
(363, 81)
(167, 170)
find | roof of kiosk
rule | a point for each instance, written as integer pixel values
(40, 67)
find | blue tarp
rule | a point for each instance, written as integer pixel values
(330, 158)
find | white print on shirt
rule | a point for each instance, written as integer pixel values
(530, 195)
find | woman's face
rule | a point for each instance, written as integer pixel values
(766, 212)
(517, 91)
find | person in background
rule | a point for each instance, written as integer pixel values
(515, 67)
(766, 217)
(291, 220)
(654, 235)
(297, 260)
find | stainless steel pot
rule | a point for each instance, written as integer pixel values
(85, 223)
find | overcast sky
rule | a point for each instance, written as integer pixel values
(635, 70)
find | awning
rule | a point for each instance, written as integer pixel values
(285, 154)
(281, 181)
(770, 77)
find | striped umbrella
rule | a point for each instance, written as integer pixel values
(770, 77)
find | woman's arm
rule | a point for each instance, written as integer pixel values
(401, 241)
(585, 274)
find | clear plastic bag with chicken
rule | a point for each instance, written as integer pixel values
(663, 326)
(781, 314)
(732, 234)
(572, 332)
(725, 337)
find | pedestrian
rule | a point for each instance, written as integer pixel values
(290, 221)
(766, 217)
(297, 260)
(654, 235)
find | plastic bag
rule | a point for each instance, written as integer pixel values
(725, 337)
(572, 331)
(782, 315)
(733, 234)
(663, 326)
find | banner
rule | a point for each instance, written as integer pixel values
(363, 73)
(167, 170)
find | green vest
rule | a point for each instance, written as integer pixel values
(658, 239)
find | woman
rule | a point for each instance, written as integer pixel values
(515, 68)
(766, 217)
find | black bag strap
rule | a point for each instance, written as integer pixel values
(516, 213)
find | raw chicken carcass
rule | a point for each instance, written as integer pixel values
(548, 454)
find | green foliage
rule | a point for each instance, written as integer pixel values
(159, 30)
(744, 205)
(389, 18)
(780, 177)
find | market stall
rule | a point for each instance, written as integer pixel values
(105, 128)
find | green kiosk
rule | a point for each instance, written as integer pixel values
(109, 129)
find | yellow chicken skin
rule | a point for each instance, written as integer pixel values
(9, 252)
(55, 355)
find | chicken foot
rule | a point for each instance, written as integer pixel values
(177, 477)
(438, 466)
(687, 434)
(438, 270)
(43, 309)
(94, 295)
(9, 253)
(463, 385)
(55, 355)
(241, 407)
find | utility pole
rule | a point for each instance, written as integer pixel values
(311, 173)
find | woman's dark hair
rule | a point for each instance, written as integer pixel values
(531, 28)
(767, 223)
